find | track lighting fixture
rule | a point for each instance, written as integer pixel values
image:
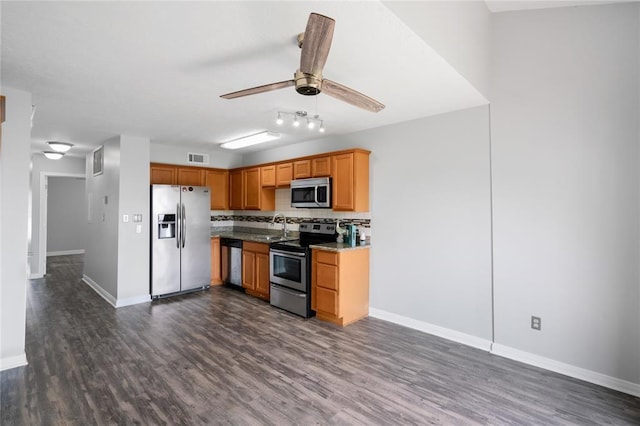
(299, 116)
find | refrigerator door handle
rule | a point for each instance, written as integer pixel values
(184, 226)
(178, 233)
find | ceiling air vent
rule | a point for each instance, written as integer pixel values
(194, 158)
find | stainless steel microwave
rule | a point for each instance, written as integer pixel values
(311, 193)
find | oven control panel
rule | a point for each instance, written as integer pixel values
(318, 228)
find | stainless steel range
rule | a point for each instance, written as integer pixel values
(290, 266)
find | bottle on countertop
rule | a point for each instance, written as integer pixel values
(363, 236)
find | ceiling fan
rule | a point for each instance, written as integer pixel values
(315, 43)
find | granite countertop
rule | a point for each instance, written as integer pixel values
(338, 247)
(254, 235)
(268, 236)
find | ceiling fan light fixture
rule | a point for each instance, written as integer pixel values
(254, 139)
(60, 146)
(310, 124)
(53, 155)
(321, 129)
(296, 122)
(279, 120)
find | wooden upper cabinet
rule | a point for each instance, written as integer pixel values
(235, 190)
(302, 169)
(268, 176)
(218, 183)
(254, 196)
(321, 166)
(350, 188)
(284, 172)
(163, 174)
(190, 176)
(252, 187)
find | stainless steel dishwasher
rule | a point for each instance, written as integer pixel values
(233, 248)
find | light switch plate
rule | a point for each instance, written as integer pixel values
(125, 218)
(138, 229)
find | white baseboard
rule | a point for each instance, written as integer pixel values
(116, 303)
(567, 369)
(102, 292)
(133, 300)
(64, 252)
(446, 333)
(614, 383)
(13, 362)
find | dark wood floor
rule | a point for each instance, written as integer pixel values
(221, 357)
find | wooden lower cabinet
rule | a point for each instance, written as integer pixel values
(340, 285)
(216, 262)
(255, 269)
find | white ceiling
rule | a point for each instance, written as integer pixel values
(156, 69)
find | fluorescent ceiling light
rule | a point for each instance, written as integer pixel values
(250, 140)
(53, 155)
(60, 146)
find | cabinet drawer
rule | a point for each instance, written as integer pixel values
(326, 276)
(328, 257)
(326, 301)
(255, 247)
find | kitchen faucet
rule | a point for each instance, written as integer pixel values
(284, 222)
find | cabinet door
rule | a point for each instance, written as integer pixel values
(235, 190)
(283, 174)
(343, 182)
(302, 169)
(163, 174)
(321, 167)
(248, 270)
(218, 183)
(216, 271)
(190, 176)
(326, 301)
(251, 181)
(268, 176)
(262, 273)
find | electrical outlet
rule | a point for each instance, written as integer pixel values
(536, 323)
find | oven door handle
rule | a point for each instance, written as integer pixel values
(290, 254)
(288, 291)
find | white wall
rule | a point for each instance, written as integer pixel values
(134, 198)
(218, 158)
(101, 246)
(116, 261)
(40, 166)
(14, 201)
(459, 31)
(566, 190)
(430, 211)
(66, 215)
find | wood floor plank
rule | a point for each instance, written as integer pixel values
(222, 357)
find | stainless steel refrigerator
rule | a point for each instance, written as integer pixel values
(180, 239)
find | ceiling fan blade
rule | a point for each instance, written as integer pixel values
(259, 89)
(316, 44)
(350, 96)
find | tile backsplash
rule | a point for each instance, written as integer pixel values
(263, 219)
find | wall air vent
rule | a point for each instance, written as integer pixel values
(194, 158)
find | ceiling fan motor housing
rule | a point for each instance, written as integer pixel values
(307, 84)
